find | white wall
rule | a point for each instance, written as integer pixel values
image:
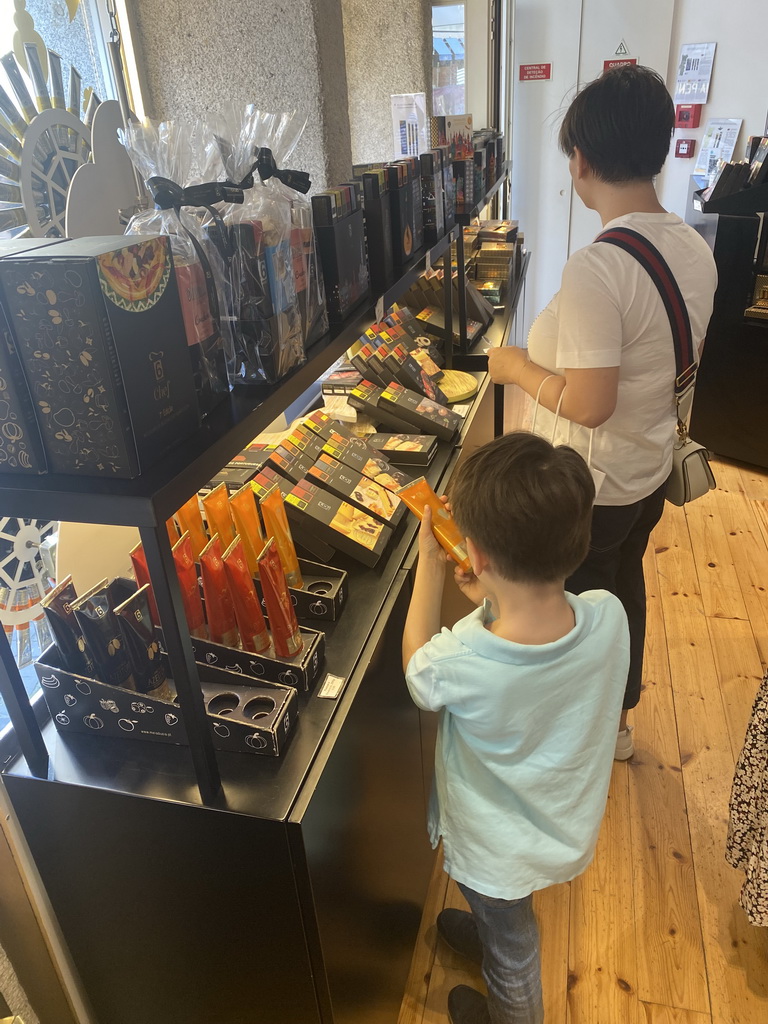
(739, 86)
(575, 35)
(477, 17)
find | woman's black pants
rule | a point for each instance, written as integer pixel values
(615, 563)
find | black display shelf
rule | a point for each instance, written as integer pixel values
(465, 217)
(739, 204)
(415, 267)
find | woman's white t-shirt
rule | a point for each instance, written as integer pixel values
(608, 312)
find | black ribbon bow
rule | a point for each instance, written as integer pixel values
(299, 181)
(170, 196)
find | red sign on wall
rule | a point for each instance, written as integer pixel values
(618, 62)
(535, 72)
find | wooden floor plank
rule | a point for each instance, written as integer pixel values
(707, 759)
(417, 986)
(655, 1014)
(755, 481)
(602, 959)
(739, 672)
(552, 907)
(671, 967)
(718, 582)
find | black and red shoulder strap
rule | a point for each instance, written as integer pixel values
(648, 256)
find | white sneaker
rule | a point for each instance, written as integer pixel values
(625, 748)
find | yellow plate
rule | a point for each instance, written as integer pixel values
(457, 385)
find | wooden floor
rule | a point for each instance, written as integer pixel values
(652, 932)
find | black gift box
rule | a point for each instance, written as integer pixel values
(341, 244)
(338, 523)
(378, 229)
(358, 490)
(414, 174)
(365, 398)
(300, 672)
(79, 704)
(99, 331)
(291, 461)
(21, 445)
(402, 209)
(405, 449)
(356, 454)
(432, 201)
(421, 412)
(323, 594)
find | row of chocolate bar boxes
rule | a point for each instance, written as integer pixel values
(371, 227)
(341, 493)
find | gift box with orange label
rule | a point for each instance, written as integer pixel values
(99, 332)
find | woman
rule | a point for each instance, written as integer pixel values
(601, 354)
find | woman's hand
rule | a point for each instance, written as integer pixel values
(506, 364)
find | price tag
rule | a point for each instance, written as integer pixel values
(380, 310)
(332, 686)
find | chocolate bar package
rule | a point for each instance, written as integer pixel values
(321, 423)
(357, 489)
(356, 454)
(338, 523)
(100, 335)
(378, 229)
(464, 177)
(405, 449)
(407, 370)
(400, 187)
(266, 479)
(254, 458)
(291, 461)
(341, 244)
(21, 445)
(431, 417)
(432, 202)
(414, 174)
(365, 398)
(414, 328)
(234, 476)
(363, 357)
(342, 380)
(306, 440)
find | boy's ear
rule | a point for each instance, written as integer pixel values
(478, 558)
(581, 168)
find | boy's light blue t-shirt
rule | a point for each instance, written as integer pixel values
(525, 745)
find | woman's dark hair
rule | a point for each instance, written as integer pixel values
(622, 123)
(527, 506)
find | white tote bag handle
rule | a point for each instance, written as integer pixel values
(597, 475)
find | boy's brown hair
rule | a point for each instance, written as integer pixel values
(527, 505)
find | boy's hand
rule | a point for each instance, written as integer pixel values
(469, 585)
(429, 548)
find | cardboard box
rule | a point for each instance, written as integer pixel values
(414, 173)
(338, 523)
(356, 454)
(378, 229)
(323, 594)
(342, 380)
(365, 398)
(234, 476)
(405, 449)
(306, 440)
(408, 371)
(432, 200)
(341, 245)
(99, 331)
(422, 412)
(358, 490)
(21, 444)
(324, 425)
(363, 357)
(304, 539)
(300, 672)
(292, 462)
(402, 209)
(458, 136)
(79, 704)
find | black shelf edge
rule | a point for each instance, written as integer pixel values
(745, 202)
(465, 218)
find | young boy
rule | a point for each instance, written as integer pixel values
(529, 687)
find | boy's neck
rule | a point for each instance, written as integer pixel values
(529, 613)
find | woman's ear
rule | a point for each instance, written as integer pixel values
(478, 558)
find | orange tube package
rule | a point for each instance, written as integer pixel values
(141, 572)
(216, 505)
(416, 495)
(243, 507)
(276, 525)
(183, 556)
(250, 619)
(222, 625)
(173, 533)
(191, 521)
(282, 617)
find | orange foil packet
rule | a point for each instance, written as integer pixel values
(222, 625)
(282, 617)
(141, 572)
(250, 619)
(242, 504)
(276, 525)
(416, 495)
(216, 505)
(191, 521)
(184, 557)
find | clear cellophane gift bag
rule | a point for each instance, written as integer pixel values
(274, 273)
(164, 154)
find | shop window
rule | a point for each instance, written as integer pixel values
(448, 83)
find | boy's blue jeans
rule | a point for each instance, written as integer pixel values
(511, 960)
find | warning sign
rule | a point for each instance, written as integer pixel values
(618, 62)
(621, 50)
(535, 72)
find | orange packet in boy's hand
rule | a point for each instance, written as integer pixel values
(416, 495)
